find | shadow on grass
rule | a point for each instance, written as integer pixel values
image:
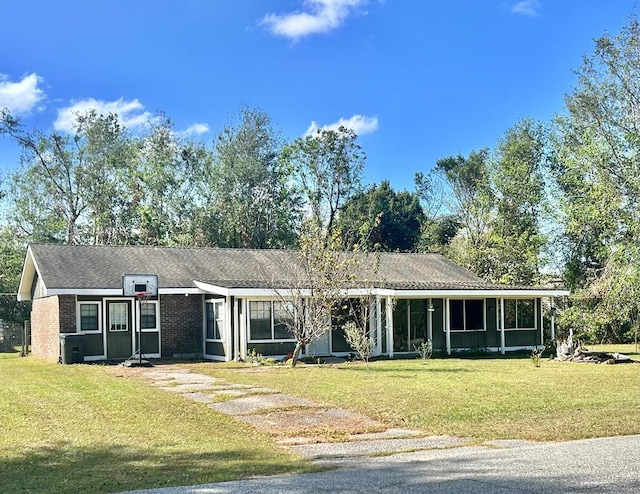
(387, 370)
(63, 468)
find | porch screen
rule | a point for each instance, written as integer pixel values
(466, 315)
(519, 314)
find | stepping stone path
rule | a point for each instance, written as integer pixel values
(298, 424)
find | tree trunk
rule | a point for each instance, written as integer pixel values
(296, 353)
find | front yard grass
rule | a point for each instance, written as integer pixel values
(482, 398)
(80, 428)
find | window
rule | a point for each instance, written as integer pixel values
(519, 314)
(466, 315)
(118, 316)
(215, 319)
(89, 316)
(270, 321)
(148, 316)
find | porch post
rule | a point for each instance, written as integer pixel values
(502, 339)
(228, 338)
(378, 326)
(242, 329)
(553, 321)
(389, 308)
(430, 320)
(447, 325)
(234, 329)
(541, 316)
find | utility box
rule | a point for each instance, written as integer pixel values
(71, 348)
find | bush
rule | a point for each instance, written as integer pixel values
(359, 340)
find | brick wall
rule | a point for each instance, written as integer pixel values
(51, 316)
(181, 325)
(67, 307)
(45, 328)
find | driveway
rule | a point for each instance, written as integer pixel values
(405, 461)
(605, 465)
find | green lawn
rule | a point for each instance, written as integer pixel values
(484, 398)
(81, 428)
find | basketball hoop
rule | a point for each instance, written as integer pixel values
(142, 287)
(143, 296)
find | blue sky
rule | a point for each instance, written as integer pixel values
(418, 80)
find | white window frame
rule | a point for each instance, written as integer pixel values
(464, 316)
(535, 314)
(79, 316)
(157, 309)
(272, 339)
(218, 315)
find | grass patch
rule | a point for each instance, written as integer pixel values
(485, 398)
(628, 349)
(80, 428)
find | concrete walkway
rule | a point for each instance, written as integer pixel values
(400, 461)
(293, 420)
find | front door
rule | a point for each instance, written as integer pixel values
(119, 329)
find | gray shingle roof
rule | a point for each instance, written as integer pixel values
(102, 267)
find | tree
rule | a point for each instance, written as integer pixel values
(466, 182)
(597, 171)
(328, 170)
(161, 185)
(438, 227)
(251, 200)
(518, 183)
(102, 185)
(51, 188)
(315, 285)
(12, 252)
(386, 219)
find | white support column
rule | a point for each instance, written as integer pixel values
(242, 329)
(502, 339)
(228, 337)
(235, 329)
(447, 325)
(389, 308)
(541, 316)
(378, 326)
(553, 321)
(430, 310)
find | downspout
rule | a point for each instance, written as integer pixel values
(447, 326)
(502, 339)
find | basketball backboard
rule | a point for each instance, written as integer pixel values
(132, 284)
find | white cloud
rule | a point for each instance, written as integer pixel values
(130, 113)
(196, 129)
(526, 7)
(21, 96)
(360, 124)
(320, 16)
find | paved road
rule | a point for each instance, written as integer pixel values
(605, 465)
